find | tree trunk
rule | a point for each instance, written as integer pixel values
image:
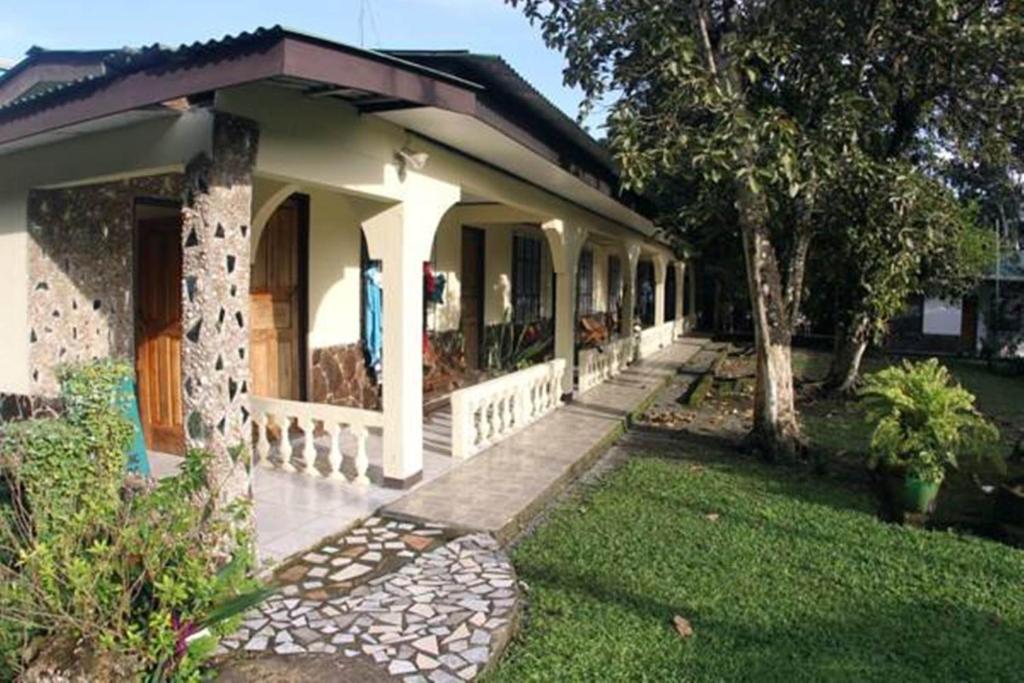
(851, 343)
(776, 430)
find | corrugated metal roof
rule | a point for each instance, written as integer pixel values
(118, 63)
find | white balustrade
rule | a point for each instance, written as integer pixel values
(312, 420)
(597, 365)
(489, 412)
(653, 339)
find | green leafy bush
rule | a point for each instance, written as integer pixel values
(110, 562)
(924, 421)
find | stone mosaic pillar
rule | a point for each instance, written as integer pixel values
(215, 304)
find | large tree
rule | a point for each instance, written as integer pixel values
(751, 100)
(941, 89)
(891, 231)
(762, 102)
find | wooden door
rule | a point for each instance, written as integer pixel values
(277, 306)
(158, 333)
(471, 298)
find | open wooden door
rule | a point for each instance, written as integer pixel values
(158, 333)
(471, 295)
(278, 305)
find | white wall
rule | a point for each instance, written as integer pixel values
(942, 317)
(334, 271)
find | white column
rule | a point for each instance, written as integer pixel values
(660, 274)
(566, 241)
(680, 267)
(691, 286)
(401, 238)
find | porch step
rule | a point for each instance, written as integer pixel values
(502, 488)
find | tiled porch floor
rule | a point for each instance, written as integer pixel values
(295, 511)
(493, 491)
(497, 490)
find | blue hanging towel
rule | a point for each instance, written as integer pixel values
(138, 459)
(373, 324)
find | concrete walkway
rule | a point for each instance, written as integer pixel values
(498, 490)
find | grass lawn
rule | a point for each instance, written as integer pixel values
(795, 581)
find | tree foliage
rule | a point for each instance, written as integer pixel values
(764, 104)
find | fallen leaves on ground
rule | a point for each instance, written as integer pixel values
(682, 626)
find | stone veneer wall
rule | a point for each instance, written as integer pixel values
(215, 306)
(449, 347)
(17, 407)
(80, 265)
(340, 377)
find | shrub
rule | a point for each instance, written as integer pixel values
(924, 420)
(113, 564)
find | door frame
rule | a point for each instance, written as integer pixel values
(482, 295)
(158, 202)
(302, 204)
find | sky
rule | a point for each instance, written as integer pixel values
(487, 26)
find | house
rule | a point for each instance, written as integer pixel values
(228, 214)
(988, 322)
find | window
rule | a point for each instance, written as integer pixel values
(585, 284)
(614, 283)
(526, 261)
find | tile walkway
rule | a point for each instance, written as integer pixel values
(499, 489)
(423, 593)
(390, 600)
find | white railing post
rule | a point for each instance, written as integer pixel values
(285, 449)
(308, 447)
(306, 416)
(262, 442)
(362, 460)
(334, 457)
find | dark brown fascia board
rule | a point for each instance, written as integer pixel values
(145, 88)
(316, 62)
(289, 56)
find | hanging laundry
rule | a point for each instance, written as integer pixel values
(428, 282)
(372, 317)
(440, 282)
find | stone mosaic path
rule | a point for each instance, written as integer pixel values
(390, 601)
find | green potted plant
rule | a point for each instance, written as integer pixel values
(924, 423)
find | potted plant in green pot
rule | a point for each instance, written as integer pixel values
(924, 424)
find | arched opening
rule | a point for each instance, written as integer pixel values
(670, 292)
(645, 285)
(279, 295)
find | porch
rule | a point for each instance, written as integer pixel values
(493, 486)
(271, 282)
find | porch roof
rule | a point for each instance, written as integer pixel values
(158, 79)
